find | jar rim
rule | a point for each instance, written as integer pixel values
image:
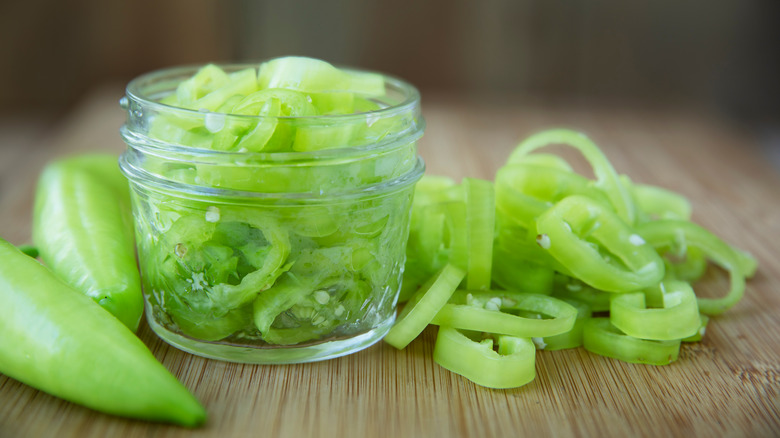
(135, 92)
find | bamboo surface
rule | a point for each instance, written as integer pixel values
(726, 385)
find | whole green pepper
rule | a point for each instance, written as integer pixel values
(82, 226)
(59, 341)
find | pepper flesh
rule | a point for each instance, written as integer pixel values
(82, 226)
(601, 337)
(675, 317)
(573, 337)
(512, 366)
(424, 305)
(480, 223)
(59, 341)
(664, 233)
(606, 177)
(575, 218)
(487, 311)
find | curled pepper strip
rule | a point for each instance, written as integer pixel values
(690, 268)
(550, 161)
(456, 223)
(431, 236)
(666, 233)
(747, 263)
(599, 336)
(512, 366)
(517, 207)
(522, 244)
(629, 265)
(516, 273)
(569, 288)
(572, 338)
(483, 311)
(656, 202)
(431, 189)
(700, 333)
(677, 319)
(424, 305)
(286, 292)
(606, 177)
(525, 191)
(480, 223)
(232, 296)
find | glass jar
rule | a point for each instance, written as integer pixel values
(270, 257)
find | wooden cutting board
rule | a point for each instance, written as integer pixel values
(726, 385)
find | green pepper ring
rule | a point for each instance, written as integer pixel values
(739, 265)
(471, 317)
(599, 336)
(523, 190)
(606, 177)
(424, 305)
(512, 366)
(678, 319)
(561, 227)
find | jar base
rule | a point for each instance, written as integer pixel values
(269, 355)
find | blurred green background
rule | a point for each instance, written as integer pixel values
(718, 55)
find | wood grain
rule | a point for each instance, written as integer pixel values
(727, 385)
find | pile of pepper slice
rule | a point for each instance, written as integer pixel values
(530, 258)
